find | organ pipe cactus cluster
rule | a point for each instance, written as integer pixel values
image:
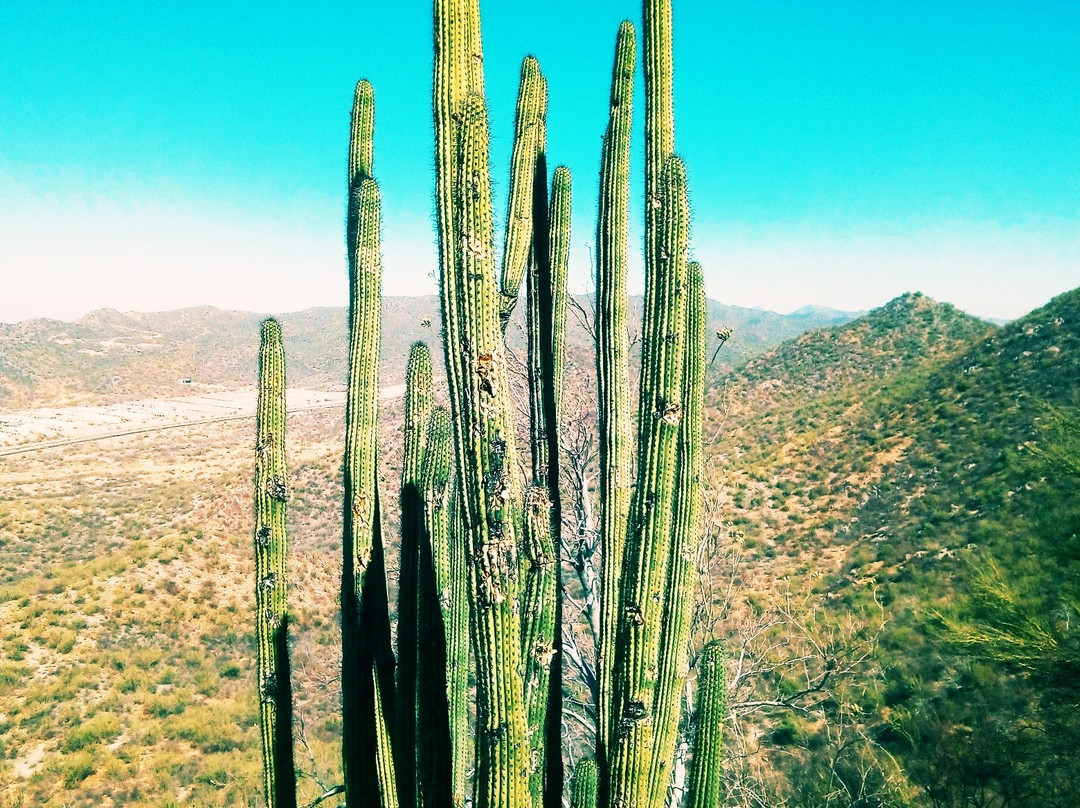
(480, 586)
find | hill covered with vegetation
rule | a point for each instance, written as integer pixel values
(909, 465)
(892, 562)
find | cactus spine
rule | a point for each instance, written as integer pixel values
(583, 794)
(367, 655)
(687, 527)
(271, 574)
(613, 368)
(707, 766)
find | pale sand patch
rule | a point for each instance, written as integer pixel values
(27, 764)
(50, 426)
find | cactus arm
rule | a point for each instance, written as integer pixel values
(612, 365)
(546, 318)
(659, 111)
(649, 535)
(271, 574)
(459, 629)
(361, 134)
(449, 633)
(415, 580)
(583, 792)
(528, 142)
(706, 786)
(485, 454)
(553, 300)
(361, 156)
(366, 644)
(686, 532)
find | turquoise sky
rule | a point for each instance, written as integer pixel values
(156, 155)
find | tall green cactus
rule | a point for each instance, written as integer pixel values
(648, 543)
(271, 574)
(583, 793)
(529, 140)
(441, 512)
(422, 764)
(367, 652)
(706, 786)
(486, 458)
(616, 435)
(546, 319)
(685, 538)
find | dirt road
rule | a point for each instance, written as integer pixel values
(47, 428)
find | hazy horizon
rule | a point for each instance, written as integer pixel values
(153, 159)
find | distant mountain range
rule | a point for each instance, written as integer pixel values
(110, 356)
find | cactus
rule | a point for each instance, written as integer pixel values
(441, 511)
(421, 764)
(367, 655)
(687, 527)
(480, 555)
(271, 574)
(529, 140)
(612, 368)
(646, 559)
(541, 620)
(706, 785)
(583, 793)
(485, 463)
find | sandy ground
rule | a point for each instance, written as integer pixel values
(52, 426)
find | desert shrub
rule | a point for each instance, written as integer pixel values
(77, 768)
(102, 727)
(166, 704)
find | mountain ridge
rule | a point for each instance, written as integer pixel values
(108, 356)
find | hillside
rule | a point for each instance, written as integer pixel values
(108, 356)
(908, 331)
(895, 469)
(860, 474)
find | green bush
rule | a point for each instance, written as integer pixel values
(77, 768)
(103, 727)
